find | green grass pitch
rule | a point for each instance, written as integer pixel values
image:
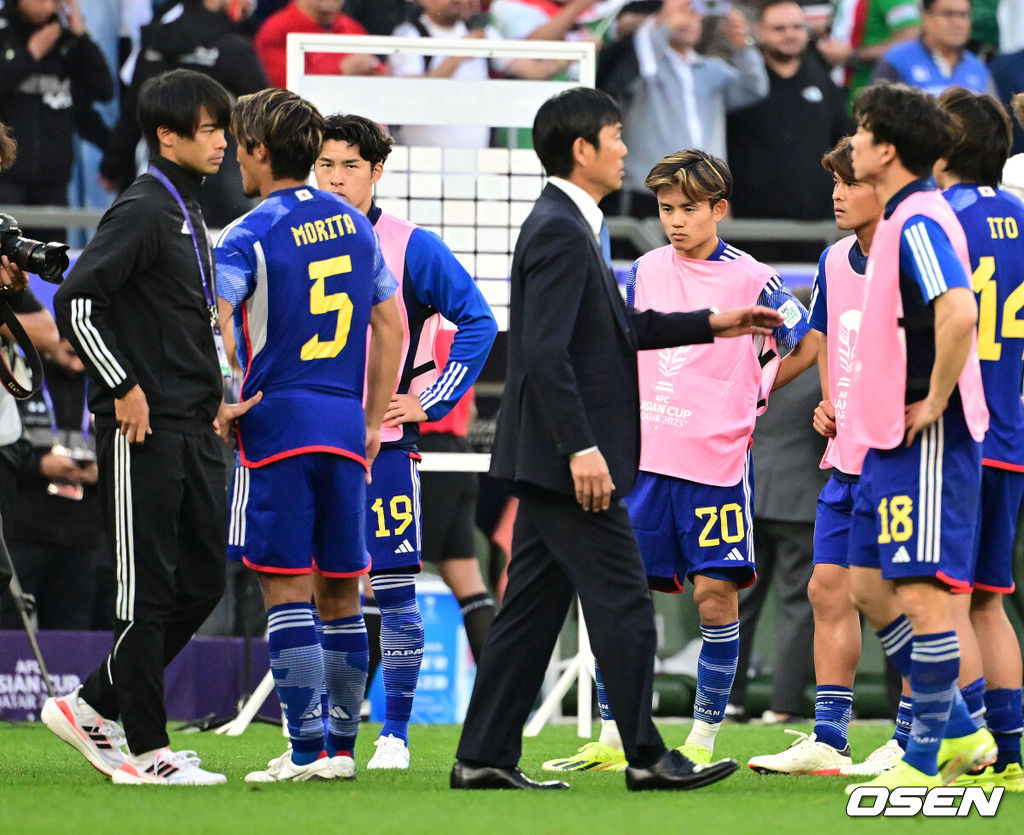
(46, 787)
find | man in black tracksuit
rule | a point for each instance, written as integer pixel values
(194, 35)
(137, 309)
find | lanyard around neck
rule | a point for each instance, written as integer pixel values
(207, 289)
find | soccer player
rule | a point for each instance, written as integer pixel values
(692, 505)
(836, 312)
(302, 275)
(992, 220)
(916, 402)
(432, 282)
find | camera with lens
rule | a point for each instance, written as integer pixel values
(48, 261)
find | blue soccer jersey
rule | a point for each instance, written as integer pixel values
(306, 351)
(929, 266)
(993, 221)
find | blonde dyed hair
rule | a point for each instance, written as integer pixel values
(697, 173)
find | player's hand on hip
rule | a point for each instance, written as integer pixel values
(372, 448)
(404, 408)
(592, 481)
(920, 415)
(132, 415)
(742, 321)
(228, 413)
(825, 419)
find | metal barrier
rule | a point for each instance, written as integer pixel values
(643, 234)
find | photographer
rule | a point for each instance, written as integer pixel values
(59, 565)
(49, 70)
(12, 282)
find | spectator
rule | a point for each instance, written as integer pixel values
(196, 35)
(671, 96)
(862, 32)
(939, 58)
(454, 19)
(775, 144)
(58, 564)
(378, 17)
(527, 19)
(1008, 74)
(49, 70)
(317, 17)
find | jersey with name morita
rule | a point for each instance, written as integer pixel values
(993, 221)
(302, 271)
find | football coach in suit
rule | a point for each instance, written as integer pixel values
(568, 442)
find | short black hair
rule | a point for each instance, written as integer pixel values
(373, 141)
(908, 119)
(290, 127)
(564, 118)
(173, 100)
(982, 139)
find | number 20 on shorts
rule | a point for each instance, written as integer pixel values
(728, 518)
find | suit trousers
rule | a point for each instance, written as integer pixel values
(165, 507)
(559, 549)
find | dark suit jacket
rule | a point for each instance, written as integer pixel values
(572, 373)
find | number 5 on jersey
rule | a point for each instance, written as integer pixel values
(320, 303)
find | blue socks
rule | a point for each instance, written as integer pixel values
(904, 721)
(602, 696)
(1004, 715)
(934, 667)
(401, 642)
(897, 639)
(974, 697)
(296, 659)
(346, 658)
(833, 706)
(716, 670)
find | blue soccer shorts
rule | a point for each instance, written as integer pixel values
(238, 497)
(307, 513)
(685, 528)
(392, 513)
(916, 509)
(832, 522)
(1002, 498)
